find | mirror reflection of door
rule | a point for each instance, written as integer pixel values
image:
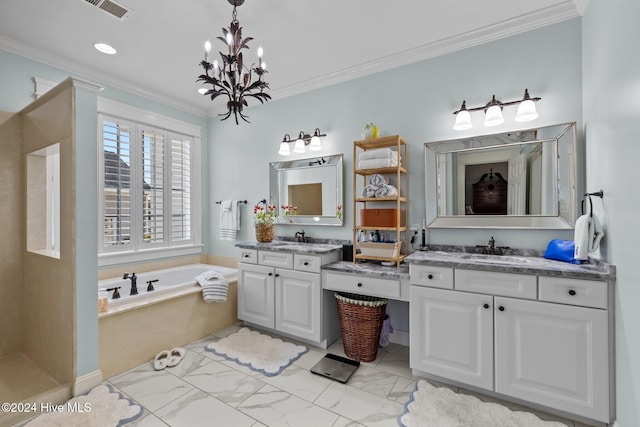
(517, 188)
(486, 189)
(307, 198)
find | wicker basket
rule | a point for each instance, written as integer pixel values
(361, 320)
(264, 233)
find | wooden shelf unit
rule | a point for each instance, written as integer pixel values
(400, 202)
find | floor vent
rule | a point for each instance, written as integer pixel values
(117, 10)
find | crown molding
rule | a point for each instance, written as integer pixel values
(566, 10)
(82, 72)
(527, 22)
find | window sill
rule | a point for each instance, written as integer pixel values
(127, 257)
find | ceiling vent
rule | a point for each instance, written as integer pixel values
(112, 8)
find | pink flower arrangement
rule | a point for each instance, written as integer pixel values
(265, 214)
(289, 210)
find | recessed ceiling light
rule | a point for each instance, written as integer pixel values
(202, 90)
(105, 48)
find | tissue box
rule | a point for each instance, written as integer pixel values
(380, 217)
(384, 250)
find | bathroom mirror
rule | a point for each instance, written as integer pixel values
(517, 179)
(311, 188)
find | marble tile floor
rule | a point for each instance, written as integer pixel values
(207, 390)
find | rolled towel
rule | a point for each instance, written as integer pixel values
(378, 180)
(377, 163)
(378, 153)
(214, 286)
(369, 191)
(387, 191)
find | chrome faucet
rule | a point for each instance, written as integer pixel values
(134, 282)
(300, 237)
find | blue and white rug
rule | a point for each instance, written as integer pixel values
(430, 406)
(259, 352)
(101, 407)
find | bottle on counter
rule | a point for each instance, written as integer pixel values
(103, 300)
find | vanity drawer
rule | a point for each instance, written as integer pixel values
(587, 293)
(249, 256)
(435, 277)
(276, 259)
(502, 284)
(387, 288)
(308, 263)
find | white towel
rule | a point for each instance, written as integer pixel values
(378, 180)
(229, 219)
(387, 191)
(377, 163)
(378, 153)
(587, 235)
(369, 191)
(214, 286)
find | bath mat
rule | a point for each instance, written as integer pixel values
(261, 353)
(430, 406)
(101, 407)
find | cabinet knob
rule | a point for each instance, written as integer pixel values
(359, 285)
(246, 255)
(486, 305)
(572, 292)
(501, 308)
(430, 276)
(270, 274)
(277, 275)
(306, 263)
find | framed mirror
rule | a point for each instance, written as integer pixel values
(310, 189)
(518, 179)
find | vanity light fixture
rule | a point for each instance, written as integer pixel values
(493, 111)
(300, 143)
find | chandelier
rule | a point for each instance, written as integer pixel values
(233, 79)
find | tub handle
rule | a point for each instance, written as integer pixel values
(150, 285)
(116, 293)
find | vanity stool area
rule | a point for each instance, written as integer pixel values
(527, 329)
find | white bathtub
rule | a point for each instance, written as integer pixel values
(172, 282)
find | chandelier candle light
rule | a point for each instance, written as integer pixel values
(493, 112)
(233, 79)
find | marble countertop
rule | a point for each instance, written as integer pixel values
(371, 269)
(292, 247)
(514, 264)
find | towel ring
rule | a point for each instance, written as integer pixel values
(598, 194)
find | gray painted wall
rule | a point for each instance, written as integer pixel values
(415, 101)
(611, 67)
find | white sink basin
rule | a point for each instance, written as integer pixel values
(500, 259)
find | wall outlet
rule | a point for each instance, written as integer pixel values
(414, 227)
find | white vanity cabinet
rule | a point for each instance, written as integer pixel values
(282, 291)
(452, 335)
(492, 331)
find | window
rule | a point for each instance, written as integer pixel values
(147, 201)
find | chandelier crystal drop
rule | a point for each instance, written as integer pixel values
(232, 78)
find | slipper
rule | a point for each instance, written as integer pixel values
(175, 356)
(161, 360)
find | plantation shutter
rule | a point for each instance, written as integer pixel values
(116, 142)
(181, 150)
(153, 159)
